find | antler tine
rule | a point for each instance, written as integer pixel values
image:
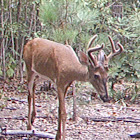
(91, 41)
(114, 50)
(112, 44)
(97, 48)
(94, 58)
(121, 47)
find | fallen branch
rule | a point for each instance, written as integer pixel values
(96, 119)
(112, 119)
(13, 118)
(134, 135)
(21, 118)
(20, 101)
(23, 133)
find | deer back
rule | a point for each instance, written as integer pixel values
(51, 59)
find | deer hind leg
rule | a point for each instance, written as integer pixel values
(62, 116)
(31, 86)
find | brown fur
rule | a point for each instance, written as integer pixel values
(59, 62)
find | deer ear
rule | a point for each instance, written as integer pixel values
(83, 58)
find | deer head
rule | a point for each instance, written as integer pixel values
(98, 66)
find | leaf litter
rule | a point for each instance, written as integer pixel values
(14, 109)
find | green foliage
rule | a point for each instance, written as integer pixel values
(134, 92)
(129, 93)
(75, 21)
(49, 11)
(1, 93)
(129, 29)
(1, 71)
(65, 20)
(3, 100)
(68, 34)
(10, 65)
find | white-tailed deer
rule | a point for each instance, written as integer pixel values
(60, 63)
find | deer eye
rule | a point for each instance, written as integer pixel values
(96, 76)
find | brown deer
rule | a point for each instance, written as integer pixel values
(45, 58)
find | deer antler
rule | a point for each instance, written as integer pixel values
(113, 53)
(93, 58)
(91, 41)
(114, 50)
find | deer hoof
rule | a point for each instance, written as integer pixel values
(105, 99)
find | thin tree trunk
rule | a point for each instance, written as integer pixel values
(18, 39)
(18, 10)
(22, 46)
(2, 43)
(20, 61)
(32, 19)
(38, 23)
(11, 22)
(35, 17)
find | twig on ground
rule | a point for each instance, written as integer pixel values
(23, 133)
(112, 119)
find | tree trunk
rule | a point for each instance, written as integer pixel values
(11, 22)
(3, 40)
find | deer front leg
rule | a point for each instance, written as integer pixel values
(61, 116)
(34, 110)
(30, 98)
(74, 102)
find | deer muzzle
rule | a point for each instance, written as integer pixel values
(105, 98)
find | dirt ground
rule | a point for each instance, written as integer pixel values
(114, 121)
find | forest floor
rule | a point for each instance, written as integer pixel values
(95, 120)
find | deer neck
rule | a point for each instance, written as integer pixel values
(82, 73)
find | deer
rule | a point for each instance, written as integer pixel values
(58, 62)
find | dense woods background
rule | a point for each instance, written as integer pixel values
(74, 21)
